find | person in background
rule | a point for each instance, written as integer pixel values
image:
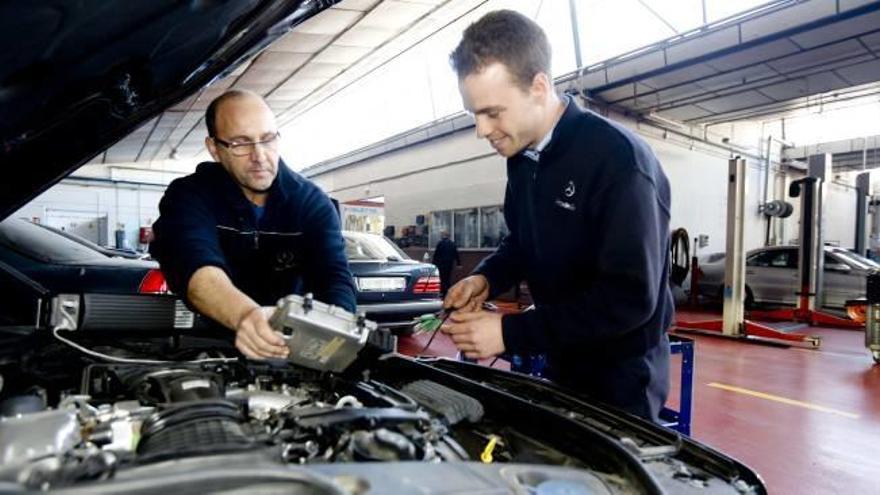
(445, 255)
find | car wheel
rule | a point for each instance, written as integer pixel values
(876, 356)
(749, 303)
(720, 295)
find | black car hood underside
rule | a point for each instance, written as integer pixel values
(78, 76)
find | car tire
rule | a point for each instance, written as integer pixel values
(876, 356)
(749, 302)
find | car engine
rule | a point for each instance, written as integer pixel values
(135, 414)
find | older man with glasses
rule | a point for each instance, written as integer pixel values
(245, 230)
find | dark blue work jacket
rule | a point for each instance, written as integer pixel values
(296, 247)
(589, 232)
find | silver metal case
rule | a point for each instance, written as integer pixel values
(320, 336)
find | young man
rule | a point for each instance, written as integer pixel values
(587, 205)
(244, 230)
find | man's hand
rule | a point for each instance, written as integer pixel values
(468, 295)
(256, 339)
(476, 334)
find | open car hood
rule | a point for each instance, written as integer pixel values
(76, 77)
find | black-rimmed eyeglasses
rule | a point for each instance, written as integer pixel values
(245, 148)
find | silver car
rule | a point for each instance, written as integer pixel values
(772, 276)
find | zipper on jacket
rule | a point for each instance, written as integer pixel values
(532, 211)
(256, 239)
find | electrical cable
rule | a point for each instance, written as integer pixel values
(96, 354)
(434, 334)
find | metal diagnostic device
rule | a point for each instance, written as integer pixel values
(320, 336)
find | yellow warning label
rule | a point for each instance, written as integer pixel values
(330, 349)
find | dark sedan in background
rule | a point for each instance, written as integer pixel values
(43, 262)
(392, 288)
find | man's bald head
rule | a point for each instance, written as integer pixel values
(214, 106)
(243, 138)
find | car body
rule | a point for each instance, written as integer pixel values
(772, 276)
(113, 410)
(108, 250)
(55, 262)
(392, 288)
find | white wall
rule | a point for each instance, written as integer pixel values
(455, 171)
(840, 215)
(126, 206)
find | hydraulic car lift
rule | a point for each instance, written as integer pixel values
(733, 323)
(811, 255)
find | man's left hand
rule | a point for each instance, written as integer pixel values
(476, 334)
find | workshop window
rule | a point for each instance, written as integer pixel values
(493, 228)
(774, 258)
(465, 233)
(440, 221)
(482, 227)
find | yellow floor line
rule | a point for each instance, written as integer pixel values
(783, 400)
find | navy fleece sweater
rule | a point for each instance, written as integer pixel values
(589, 232)
(296, 247)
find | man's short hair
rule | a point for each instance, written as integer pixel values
(211, 112)
(507, 37)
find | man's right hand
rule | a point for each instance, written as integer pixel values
(468, 294)
(256, 339)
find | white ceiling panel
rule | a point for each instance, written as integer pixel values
(297, 42)
(819, 83)
(282, 94)
(271, 77)
(679, 76)
(341, 55)
(261, 89)
(735, 102)
(862, 73)
(280, 61)
(819, 56)
(330, 22)
(320, 71)
(827, 34)
(393, 14)
(755, 54)
(369, 37)
(304, 84)
(872, 41)
(685, 113)
(362, 5)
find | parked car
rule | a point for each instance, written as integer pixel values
(104, 411)
(772, 276)
(56, 262)
(108, 250)
(392, 288)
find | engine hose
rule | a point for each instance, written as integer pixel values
(680, 250)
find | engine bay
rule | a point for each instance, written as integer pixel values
(125, 415)
(91, 413)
